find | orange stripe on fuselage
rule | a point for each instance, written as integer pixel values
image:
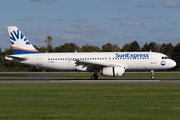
(23, 49)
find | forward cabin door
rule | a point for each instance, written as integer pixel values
(153, 58)
(39, 60)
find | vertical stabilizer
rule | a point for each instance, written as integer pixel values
(20, 43)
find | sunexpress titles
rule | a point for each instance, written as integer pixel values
(129, 55)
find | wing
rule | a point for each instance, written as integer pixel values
(90, 65)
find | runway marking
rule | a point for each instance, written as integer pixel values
(88, 81)
(102, 81)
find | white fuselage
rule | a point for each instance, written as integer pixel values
(67, 61)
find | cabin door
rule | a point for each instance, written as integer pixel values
(153, 58)
(39, 60)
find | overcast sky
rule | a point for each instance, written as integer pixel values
(93, 22)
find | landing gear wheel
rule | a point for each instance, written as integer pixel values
(152, 77)
(94, 77)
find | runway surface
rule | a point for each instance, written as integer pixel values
(72, 81)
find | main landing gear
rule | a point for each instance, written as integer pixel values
(95, 76)
(152, 75)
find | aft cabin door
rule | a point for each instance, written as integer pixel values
(39, 60)
(153, 58)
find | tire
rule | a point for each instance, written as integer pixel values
(152, 77)
(94, 77)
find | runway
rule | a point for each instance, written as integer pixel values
(72, 81)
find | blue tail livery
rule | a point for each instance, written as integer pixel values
(20, 43)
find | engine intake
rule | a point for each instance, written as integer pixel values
(112, 71)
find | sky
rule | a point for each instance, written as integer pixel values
(93, 22)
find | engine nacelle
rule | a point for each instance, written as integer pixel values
(112, 71)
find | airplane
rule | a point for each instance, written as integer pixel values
(105, 63)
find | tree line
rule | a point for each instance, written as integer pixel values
(171, 51)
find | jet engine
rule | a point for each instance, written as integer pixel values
(112, 71)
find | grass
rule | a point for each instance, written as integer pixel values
(60, 75)
(90, 101)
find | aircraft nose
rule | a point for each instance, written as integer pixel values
(173, 63)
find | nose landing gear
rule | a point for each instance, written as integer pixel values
(152, 75)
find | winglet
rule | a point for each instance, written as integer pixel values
(20, 43)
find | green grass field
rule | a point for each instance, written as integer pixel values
(61, 75)
(90, 101)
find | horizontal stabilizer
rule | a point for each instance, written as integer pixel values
(15, 57)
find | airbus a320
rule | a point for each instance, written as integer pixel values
(105, 63)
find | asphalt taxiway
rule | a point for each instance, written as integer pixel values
(77, 81)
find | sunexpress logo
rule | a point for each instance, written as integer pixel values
(128, 55)
(163, 63)
(17, 35)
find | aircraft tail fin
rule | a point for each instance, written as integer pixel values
(20, 43)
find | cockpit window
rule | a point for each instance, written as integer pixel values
(165, 57)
